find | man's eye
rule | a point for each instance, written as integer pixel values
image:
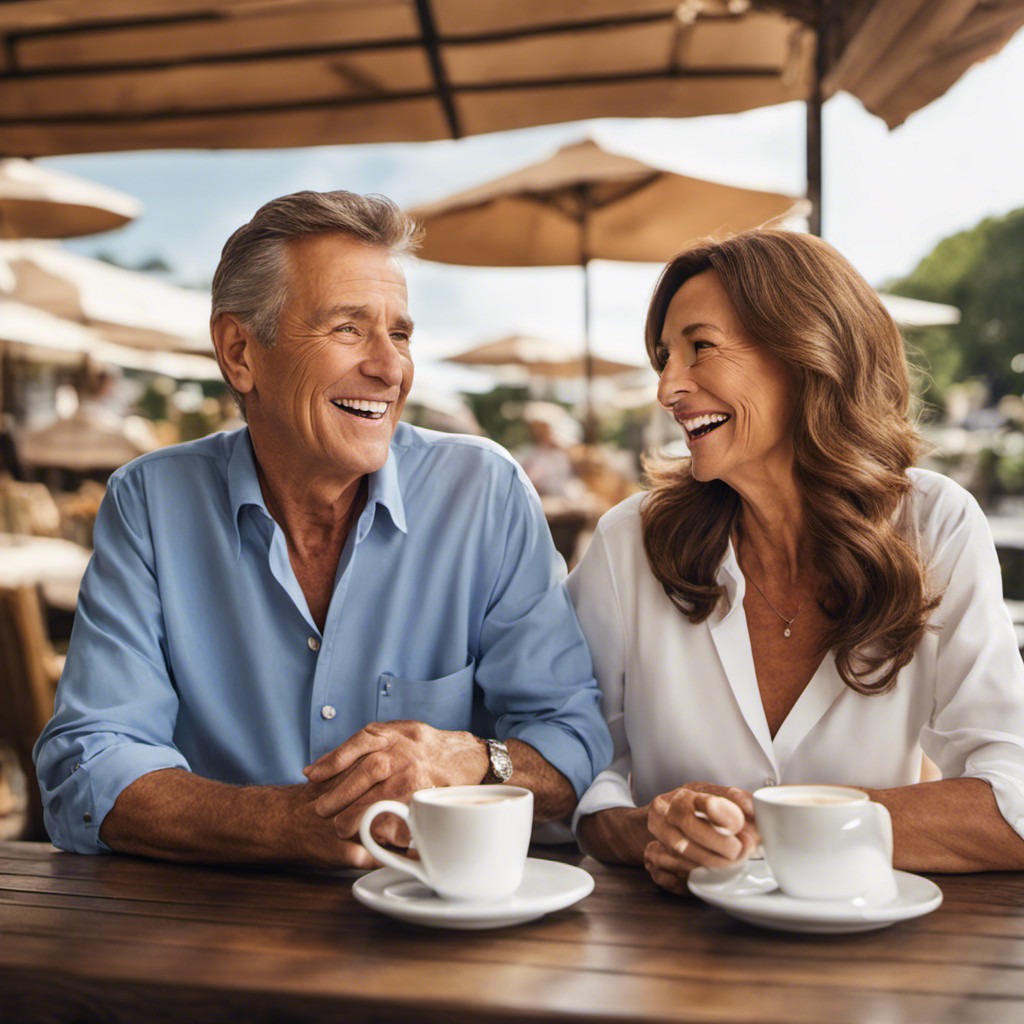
(401, 336)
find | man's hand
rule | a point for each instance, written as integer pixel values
(390, 761)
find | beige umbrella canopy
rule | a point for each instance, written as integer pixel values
(587, 203)
(540, 357)
(36, 202)
(102, 75)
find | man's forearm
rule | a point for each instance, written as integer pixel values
(553, 795)
(175, 815)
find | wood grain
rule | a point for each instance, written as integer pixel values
(124, 939)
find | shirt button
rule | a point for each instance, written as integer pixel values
(87, 817)
(313, 644)
(770, 781)
(327, 712)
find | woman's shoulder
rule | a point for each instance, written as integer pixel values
(941, 508)
(623, 519)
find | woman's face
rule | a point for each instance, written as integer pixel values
(732, 396)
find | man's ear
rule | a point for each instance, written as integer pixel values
(233, 345)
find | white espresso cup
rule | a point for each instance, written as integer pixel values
(827, 843)
(472, 840)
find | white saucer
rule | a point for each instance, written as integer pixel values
(773, 909)
(547, 886)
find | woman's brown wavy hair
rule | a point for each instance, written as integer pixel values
(853, 442)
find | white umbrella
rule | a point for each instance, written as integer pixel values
(125, 306)
(918, 313)
(41, 336)
(36, 202)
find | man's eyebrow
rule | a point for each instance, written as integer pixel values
(355, 311)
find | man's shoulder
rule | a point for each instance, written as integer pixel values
(413, 445)
(179, 464)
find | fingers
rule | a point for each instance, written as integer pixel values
(707, 829)
(355, 855)
(364, 742)
(667, 869)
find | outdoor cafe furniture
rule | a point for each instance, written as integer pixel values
(119, 939)
(53, 565)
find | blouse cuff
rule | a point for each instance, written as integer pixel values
(608, 790)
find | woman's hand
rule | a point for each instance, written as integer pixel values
(699, 825)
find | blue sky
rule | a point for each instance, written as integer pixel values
(889, 197)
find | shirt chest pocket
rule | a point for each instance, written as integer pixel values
(444, 703)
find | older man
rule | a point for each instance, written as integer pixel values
(283, 624)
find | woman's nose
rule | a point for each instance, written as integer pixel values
(676, 380)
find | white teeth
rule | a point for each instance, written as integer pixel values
(360, 405)
(703, 421)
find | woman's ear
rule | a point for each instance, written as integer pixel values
(233, 344)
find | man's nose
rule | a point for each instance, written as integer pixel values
(383, 360)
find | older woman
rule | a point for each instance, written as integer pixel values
(794, 602)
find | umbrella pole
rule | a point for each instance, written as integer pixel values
(589, 419)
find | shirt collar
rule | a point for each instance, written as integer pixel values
(243, 483)
(385, 490)
(244, 489)
(731, 577)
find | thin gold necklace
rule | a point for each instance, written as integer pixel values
(788, 631)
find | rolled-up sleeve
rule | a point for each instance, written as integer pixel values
(977, 725)
(534, 667)
(116, 705)
(593, 591)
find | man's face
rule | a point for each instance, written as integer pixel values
(327, 397)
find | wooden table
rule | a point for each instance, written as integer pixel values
(117, 939)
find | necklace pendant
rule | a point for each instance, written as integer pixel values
(787, 632)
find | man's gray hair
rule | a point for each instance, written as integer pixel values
(250, 281)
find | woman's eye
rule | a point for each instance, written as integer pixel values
(661, 356)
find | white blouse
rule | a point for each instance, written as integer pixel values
(683, 704)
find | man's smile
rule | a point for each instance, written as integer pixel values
(361, 407)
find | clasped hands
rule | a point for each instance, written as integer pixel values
(388, 761)
(699, 825)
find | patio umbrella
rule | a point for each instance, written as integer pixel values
(587, 203)
(42, 337)
(36, 202)
(125, 306)
(103, 75)
(540, 356)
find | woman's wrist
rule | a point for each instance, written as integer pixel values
(616, 835)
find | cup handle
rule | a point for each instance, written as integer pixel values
(885, 826)
(394, 860)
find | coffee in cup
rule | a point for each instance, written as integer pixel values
(472, 840)
(826, 843)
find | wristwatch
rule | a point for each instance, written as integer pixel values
(499, 768)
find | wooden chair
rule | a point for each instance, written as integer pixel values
(28, 677)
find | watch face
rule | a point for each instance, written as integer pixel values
(501, 763)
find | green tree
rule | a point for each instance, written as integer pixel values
(981, 271)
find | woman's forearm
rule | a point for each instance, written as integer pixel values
(950, 826)
(616, 836)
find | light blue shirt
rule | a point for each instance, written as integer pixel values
(193, 645)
